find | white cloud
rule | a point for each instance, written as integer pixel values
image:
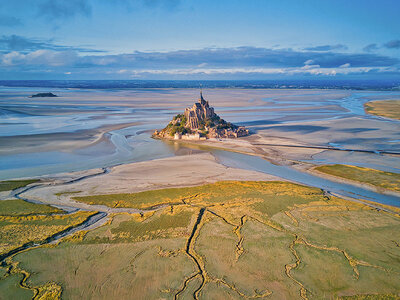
(219, 61)
(212, 71)
(309, 67)
(39, 57)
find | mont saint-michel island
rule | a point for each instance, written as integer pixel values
(274, 172)
(200, 122)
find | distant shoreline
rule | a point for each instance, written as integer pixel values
(209, 84)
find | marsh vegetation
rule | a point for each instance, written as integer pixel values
(376, 178)
(9, 185)
(228, 240)
(384, 108)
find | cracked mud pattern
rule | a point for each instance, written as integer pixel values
(228, 240)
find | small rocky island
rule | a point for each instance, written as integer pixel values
(200, 122)
(43, 95)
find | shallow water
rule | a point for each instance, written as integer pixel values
(80, 109)
(248, 162)
(136, 148)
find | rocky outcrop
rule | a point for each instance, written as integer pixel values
(43, 95)
(200, 122)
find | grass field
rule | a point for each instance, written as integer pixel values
(226, 192)
(14, 184)
(228, 240)
(377, 178)
(22, 208)
(22, 222)
(384, 108)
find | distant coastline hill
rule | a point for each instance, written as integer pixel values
(200, 122)
(43, 95)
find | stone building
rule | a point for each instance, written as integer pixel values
(200, 122)
(201, 110)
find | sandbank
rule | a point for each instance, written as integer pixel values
(178, 171)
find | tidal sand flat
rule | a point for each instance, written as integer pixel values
(93, 207)
(90, 128)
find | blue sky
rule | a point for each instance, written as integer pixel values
(178, 39)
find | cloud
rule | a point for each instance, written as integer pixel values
(39, 57)
(307, 70)
(371, 48)
(20, 43)
(240, 61)
(9, 21)
(64, 9)
(237, 57)
(393, 44)
(309, 67)
(327, 48)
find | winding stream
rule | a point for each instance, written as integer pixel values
(254, 163)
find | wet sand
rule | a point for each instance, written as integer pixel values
(178, 171)
(62, 141)
(84, 129)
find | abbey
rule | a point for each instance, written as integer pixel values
(200, 122)
(200, 111)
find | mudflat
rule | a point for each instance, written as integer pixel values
(112, 213)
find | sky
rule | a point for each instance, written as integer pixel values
(203, 39)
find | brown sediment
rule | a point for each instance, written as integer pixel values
(289, 267)
(202, 272)
(269, 223)
(352, 261)
(239, 246)
(194, 256)
(168, 253)
(233, 288)
(184, 200)
(292, 218)
(185, 284)
(239, 250)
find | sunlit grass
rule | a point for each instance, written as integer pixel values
(277, 195)
(254, 240)
(9, 185)
(126, 228)
(384, 108)
(380, 179)
(20, 207)
(22, 222)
